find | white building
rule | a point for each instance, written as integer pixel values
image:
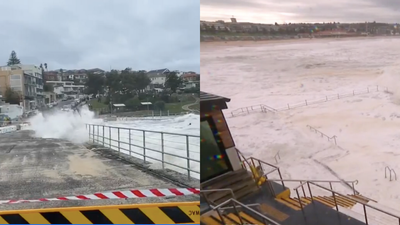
(157, 78)
(66, 88)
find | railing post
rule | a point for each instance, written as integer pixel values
(144, 146)
(89, 131)
(109, 135)
(330, 185)
(237, 213)
(334, 199)
(221, 217)
(298, 197)
(119, 142)
(280, 176)
(188, 156)
(162, 150)
(103, 135)
(365, 214)
(130, 143)
(302, 188)
(309, 189)
(98, 133)
(354, 190)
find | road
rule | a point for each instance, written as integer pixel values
(187, 107)
(33, 168)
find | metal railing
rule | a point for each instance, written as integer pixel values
(253, 108)
(179, 152)
(323, 135)
(335, 194)
(265, 108)
(327, 98)
(202, 193)
(235, 205)
(390, 170)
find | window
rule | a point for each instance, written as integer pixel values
(214, 161)
(15, 77)
(17, 89)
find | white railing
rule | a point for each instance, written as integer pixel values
(306, 102)
(178, 152)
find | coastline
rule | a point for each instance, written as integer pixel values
(251, 40)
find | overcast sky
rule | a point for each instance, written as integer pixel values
(270, 11)
(72, 34)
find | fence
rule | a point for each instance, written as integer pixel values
(390, 170)
(265, 108)
(142, 114)
(178, 152)
(253, 108)
(322, 134)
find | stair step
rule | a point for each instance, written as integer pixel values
(250, 219)
(343, 202)
(324, 201)
(361, 198)
(232, 217)
(228, 180)
(273, 212)
(247, 190)
(209, 220)
(288, 204)
(303, 201)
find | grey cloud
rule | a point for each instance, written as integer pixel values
(304, 10)
(71, 34)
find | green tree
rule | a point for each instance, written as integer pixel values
(48, 88)
(11, 96)
(159, 105)
(141, 80)
(13, 60)
(133, 103)
(173, 81)
(94, 84)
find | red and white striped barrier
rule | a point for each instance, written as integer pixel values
(151, 193)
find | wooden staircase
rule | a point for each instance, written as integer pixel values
(342, 201)
(240, 182)
(213, 218)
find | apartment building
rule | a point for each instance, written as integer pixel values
(27, 80)
(66, 88)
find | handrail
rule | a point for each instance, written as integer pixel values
(155, 147)
(303, 182)
(387, 168)
(356, 200)
(151, 131)
(313, 101)
(216, 190)
(244, 158)
(322, 134)
(217, 208)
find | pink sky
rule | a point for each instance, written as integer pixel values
(294, 11)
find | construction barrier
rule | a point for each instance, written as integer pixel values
(150, 193)
(158, 213)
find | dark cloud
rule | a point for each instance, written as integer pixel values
(73, 34)
(302, 10)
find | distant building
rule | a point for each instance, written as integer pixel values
(157, 78)
(27, 80)
(190, 76)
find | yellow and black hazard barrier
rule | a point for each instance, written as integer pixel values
(158, 213)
